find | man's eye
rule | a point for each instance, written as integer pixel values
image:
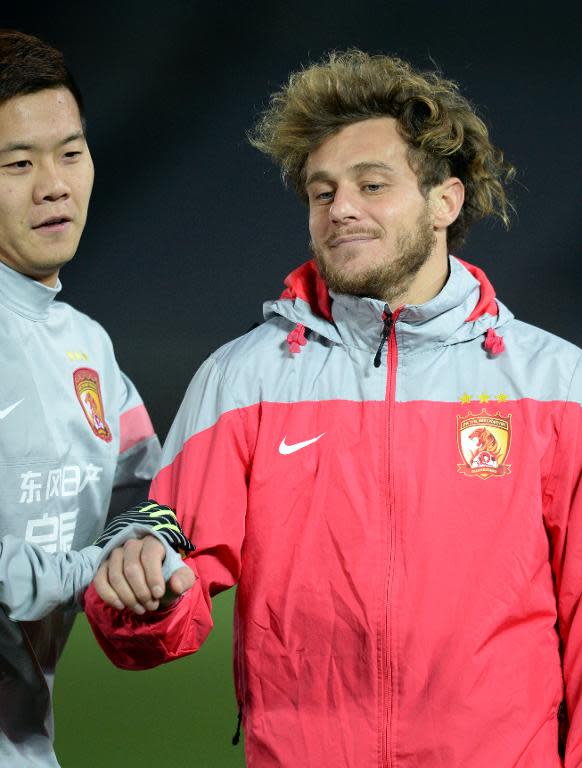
(73, 154)
(324, 196)
(373, 187)
(19, 164)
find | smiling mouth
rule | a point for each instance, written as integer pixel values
(351, 239)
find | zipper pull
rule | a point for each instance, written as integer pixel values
(387, 318)
(236, 737)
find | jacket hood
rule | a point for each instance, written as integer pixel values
(465, 309)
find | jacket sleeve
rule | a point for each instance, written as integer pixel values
(139, 451)
(563, 514)
(205, 465)
(34, 582)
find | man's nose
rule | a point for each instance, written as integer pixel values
(344, 207)
(51, 184)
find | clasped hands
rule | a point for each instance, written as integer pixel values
(132, 577)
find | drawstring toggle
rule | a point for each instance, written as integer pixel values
(493, 343)
(296, 339)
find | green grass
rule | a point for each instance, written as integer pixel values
(180, 714)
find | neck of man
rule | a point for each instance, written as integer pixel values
(427, 283)
(49, 278)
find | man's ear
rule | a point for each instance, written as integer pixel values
(446, 201)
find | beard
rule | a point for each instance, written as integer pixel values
(389, 279)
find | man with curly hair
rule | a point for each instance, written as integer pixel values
(388, 468)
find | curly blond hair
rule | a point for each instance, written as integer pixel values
(444, 134)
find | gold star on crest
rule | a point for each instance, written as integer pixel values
(465, 398)
(484, 398)
(501, 397)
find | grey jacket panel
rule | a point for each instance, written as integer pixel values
(430, 339)
(62, 399)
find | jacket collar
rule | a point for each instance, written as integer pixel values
(25, 296)
(465, 308)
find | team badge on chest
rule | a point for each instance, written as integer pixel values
(88, 391)
(484, 440)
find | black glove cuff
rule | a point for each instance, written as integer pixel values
(160, 519)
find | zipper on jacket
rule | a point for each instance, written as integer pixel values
(387, 317)
(387, 661)
(563, 727)
(236, 737)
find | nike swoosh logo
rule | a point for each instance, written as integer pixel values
(10, 408)
(287, 449)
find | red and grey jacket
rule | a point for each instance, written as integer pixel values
(406, 536)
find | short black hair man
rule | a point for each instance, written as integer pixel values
(76, 442)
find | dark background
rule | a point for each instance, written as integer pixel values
(190, 230)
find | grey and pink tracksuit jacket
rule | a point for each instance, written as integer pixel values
(398, 498)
